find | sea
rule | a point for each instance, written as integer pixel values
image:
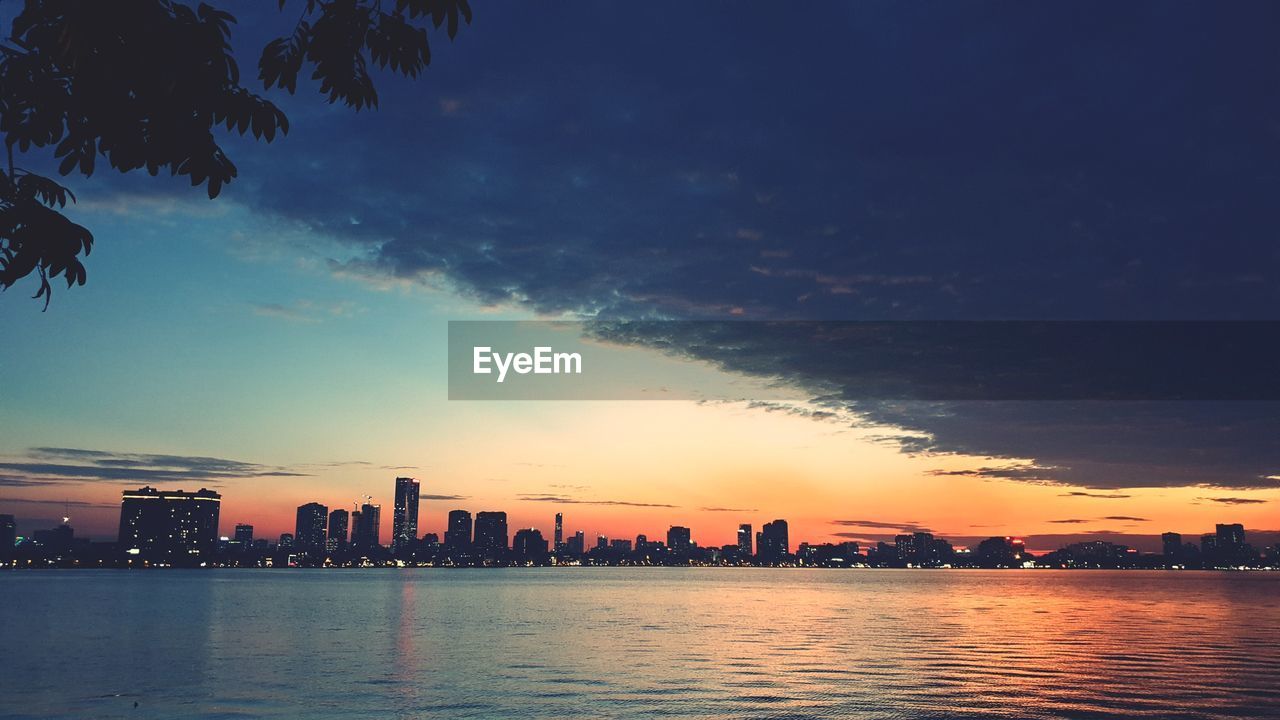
(582, 642)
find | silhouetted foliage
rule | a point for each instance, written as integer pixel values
(145, 83)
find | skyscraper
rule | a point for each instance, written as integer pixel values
(1171, 543)
(169, 527)
(1230, 536)
(244, 534)
(404, 522)
(922, 547)
(458, 534)
(775, 544)
(491, 532)
(529, 544)
(366, 528)
(309, 530)
(577, 544)
(744, 539)
(8, 536)
(559, 532)
(679, 539)
(337, 530)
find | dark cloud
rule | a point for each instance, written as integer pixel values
(1105, 496)
(58, 503)
(938, 162)
(56, 465)
(9, 481)
(565, 500)
(725, 509)
(908, 526)
(1234, 500)
(444, 497)
(1028, 473)
(1091, 441)
(1068, 522)
(933, 164)
(1126, 518)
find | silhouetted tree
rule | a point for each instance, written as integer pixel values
(144, 84)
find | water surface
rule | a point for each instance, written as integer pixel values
(640, 642)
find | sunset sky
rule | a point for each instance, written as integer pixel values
(286, 343)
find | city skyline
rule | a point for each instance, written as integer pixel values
(288, 341)
(318, 527)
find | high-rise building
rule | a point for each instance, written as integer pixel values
(366, 527)
(1230, 536)
(602, 542)
(309, 530)
(491, 532)
(458, 535)
(621, 545)
(922, 548)
(286, 541)
(744, 539)
(169, 527)
(1229, 546)
(404, 522)
(577, 544)
(775, 543)
(1171, 543)
(678, 539)
(559, 532)
(529, 544)
(244, 534)
(8, 537)
(904, 546)
(642, 542)
(337, 530)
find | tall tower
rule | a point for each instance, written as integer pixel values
(744, 539)
(491, 533)
(309, 530)
(559, 532)
(458, 533)
(366, 526)
(337, 530)
(404, 522)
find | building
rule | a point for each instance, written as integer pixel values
(775, 542)
(529, 544)
(366, 527)
(922, 545)
(1171, 543)
(620, 545)
(309, 529)
(169, 527)
(491, 533)
(559, 532)
(337, 538)
(679, 539)
(458, 534)
(1230, 536)
(404, 520)
(744, 539)
(244, 534)
(8, 537)
(577, 544)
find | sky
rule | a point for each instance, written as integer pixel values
(881, 161)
